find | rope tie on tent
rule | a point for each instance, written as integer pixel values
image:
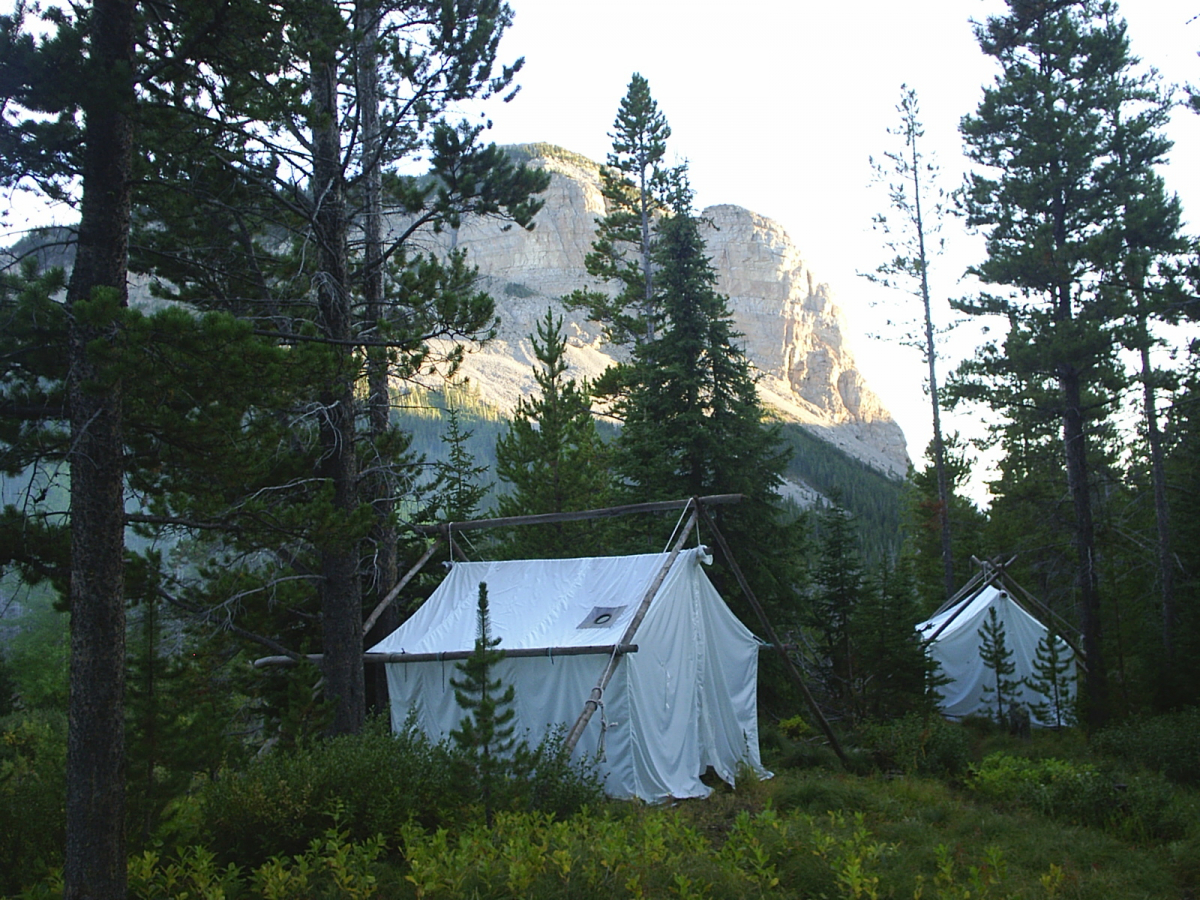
(687, 509)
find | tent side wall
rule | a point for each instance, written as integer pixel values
(686, 700)
(957, 649)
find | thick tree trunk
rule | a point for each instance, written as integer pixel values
(95, 847)
(341, 606)
(1075, 449)
(382, 484)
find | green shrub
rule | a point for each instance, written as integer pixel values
(1136, 807)
(918, 745)
(373, 782)
(33, 792)
(1167, 744)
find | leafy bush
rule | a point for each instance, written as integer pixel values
(918, 745)
(33, 792)
(1138, 807)
(1166, 744)
(373, 782)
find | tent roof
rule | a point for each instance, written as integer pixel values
(974, 612)
(536, 603)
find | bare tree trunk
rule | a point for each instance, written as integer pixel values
(341, 606)
(95, 845)
(939, 447)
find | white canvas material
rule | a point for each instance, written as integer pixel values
(957, 649)
(686, 700)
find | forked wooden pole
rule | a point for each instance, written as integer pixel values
(593, 701)
(769, 631)
(394, 592)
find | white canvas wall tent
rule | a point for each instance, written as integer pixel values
(953, 639)
(684, 700)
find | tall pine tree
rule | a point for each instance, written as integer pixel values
(1042, 195)
(637, 185)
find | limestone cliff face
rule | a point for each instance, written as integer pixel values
(792, 330)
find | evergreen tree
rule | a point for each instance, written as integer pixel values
(693, 423)
(837, 590)
(636, 185)
(915, 197)
(460, 489)
(998, 658)
(485, 733)
(1043, 136)
(1052, 667)
(923, 516)
(552, 455)
(894, 673)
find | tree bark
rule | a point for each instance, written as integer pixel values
(95, 844)
(341, 606)
(1075, 450)
(382, 485)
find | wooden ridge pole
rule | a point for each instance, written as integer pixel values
(455, 655)
(554, 518)
(776, 644)
(593, 701)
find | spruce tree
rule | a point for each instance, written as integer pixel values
(552, 456)
(460, 488)
(1053, 680)
(692, 420)
(636, 185)
(485, 733)
(998, 658)
(837, 591)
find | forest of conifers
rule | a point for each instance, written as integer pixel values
(236, 469)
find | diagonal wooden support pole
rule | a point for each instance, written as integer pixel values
(593, 701)
(769, 631)
(394, 592)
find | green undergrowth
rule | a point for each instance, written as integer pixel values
(377, 816)
(801, 834)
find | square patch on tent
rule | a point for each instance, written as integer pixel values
(601, 617)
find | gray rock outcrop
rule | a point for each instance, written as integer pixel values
(792, 329)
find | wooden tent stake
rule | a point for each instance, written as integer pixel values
(776, 644)
(593, 701)
(394, 592)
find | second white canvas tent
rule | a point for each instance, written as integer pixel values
(684, 701)
(955, 640)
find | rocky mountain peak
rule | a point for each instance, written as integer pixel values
(791, 328)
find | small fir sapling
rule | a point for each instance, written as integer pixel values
(1053, 679)
(998, 658)
(485, 733)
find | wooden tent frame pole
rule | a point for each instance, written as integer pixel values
(395, 592)
(581, 515)
(593, 701)
(776, 644)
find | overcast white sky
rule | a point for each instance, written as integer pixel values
(777, 105)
